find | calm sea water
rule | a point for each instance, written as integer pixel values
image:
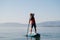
(18, 33)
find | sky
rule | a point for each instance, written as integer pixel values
(18, 10)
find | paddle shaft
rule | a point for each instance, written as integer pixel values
(28, 29)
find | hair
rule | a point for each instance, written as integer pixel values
(32, 14)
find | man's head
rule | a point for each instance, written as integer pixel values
(32, 14)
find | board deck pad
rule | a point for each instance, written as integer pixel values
(33, 34)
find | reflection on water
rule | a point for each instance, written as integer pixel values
(33, 38)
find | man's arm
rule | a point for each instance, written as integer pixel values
(29, 21)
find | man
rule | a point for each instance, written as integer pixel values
(32, 22)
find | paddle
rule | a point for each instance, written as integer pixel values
(27, 29)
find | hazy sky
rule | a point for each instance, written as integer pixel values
(19, 10)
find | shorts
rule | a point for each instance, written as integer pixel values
(33, 25)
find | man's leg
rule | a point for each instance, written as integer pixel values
(35, 28)
(31, 28)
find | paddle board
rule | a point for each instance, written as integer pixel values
(33, 34)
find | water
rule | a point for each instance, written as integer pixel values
(18, 33)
